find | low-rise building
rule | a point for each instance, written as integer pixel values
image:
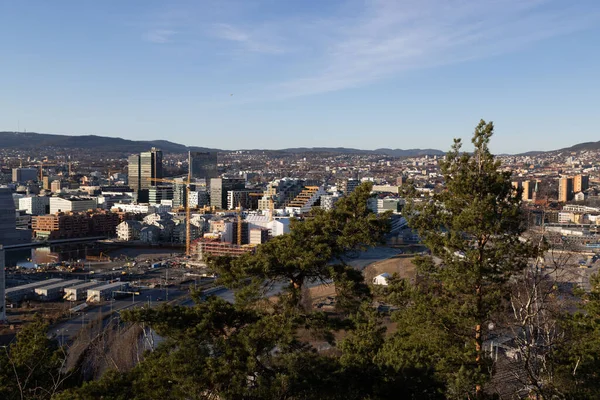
(55, 290)
(105, 292)
(35, 205)
(79, 292)
(72, 204)
(18, 293)
(74, 225)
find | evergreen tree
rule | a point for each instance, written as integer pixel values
(473, 229)
(32, 366)
(579, 356)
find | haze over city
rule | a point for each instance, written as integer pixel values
(276, 74)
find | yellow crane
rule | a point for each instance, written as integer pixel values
(188, 229)
(239, 225)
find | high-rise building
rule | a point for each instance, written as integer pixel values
(527, 190)
(2, 286)
(22, 175)
(143, 169)
(219, 188)
(347, 186)
(180, 193)
(565, 189)
(156, 194)
(243, 197)
(134, 172)
(46, 183)
(203, 165)
(9, 234)
(581, 183)
(199, 197)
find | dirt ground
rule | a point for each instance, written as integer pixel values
(401, 264)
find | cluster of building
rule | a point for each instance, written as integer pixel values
(69, 289)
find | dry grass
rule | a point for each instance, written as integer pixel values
(401, 265)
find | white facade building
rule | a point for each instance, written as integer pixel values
(381, 279)
(129, 230)
(59, 204)
(34, 205)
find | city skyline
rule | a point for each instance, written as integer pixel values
(277, 75)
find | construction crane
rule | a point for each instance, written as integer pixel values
(187, 209)
(239, 224)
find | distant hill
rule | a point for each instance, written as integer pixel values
(587, 146)
(33, 140)
(346, 150)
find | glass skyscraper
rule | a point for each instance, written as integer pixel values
(203, 165)
(143, 168)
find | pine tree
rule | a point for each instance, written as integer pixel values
(473, 229)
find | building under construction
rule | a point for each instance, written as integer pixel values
(214, 247)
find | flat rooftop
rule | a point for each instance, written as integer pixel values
(32, 285)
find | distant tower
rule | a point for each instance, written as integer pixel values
(203, 165)
(143, 168)
(2, 287)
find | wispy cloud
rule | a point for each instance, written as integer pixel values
(249, 41)
(159, 36)
(358, 42)
(391, 37)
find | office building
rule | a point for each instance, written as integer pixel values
(23, 175)
(581, 183)
(565, 189)
(143, 169)
(243, 197)
(2, 286)
(258, 235)
(219, 188)
(156, 194)
(35, 205)
(180, 193)
(46, 183)
(9, 234)
(527, 190)
(203, 165)
(199, 197)
(347, 186)
(59, 204)
(133, 169)
(75, 225)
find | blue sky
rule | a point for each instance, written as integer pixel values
(280, 73)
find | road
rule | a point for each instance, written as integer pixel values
(65, 331)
